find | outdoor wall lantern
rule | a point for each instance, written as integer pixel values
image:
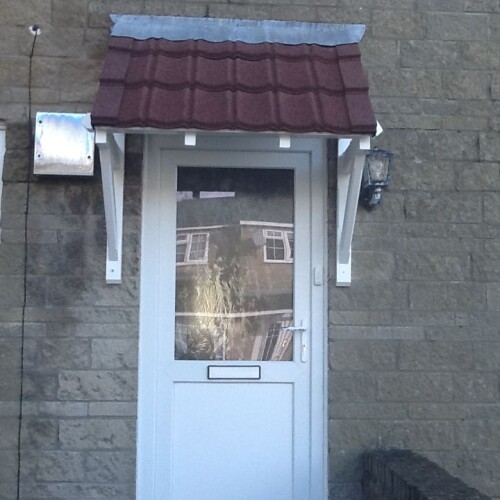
(376, 175)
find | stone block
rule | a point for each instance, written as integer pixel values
(39, 433)
(86, 292)
(36, 291)
(447, 296)
(421, 83)
(9, 409)
(440, 106)
(39, 386)
(436, 356)
(418, 121)
(491, 207)
(17, 14)
(295, 13)
(13, 198)
(61, 409)
(475, 387)
(456, 26)
(487, 356)
(371, 266)
(363, 355)
(235, 11)
(113, 409)
(429, 54)
(378, 411)
(398, 24)
(493, 296)
(353, 434)
(440, 5)
(11, 259)
(10, 38)
(8, 471)
(458, 332)
(414, 387)
(95, 43)
(10, 362)
(16, 165)
(486, 267)
(424, 175)
(397, 105)
(344, 465)
(95, 433)
(379, 53)
(420, 266)
(79, 93)
(111, 467)
(114, 353)
(464, 123)
(348, 13)
(8, 432)
(46, 71)
(480, 56)
(481, 176)
(63, 466)
(338, 317)
(438, 411)
(417, 435)
(458, 145)
(371, 296)
(482, 6)
(434, 207)
(466, 85)
(64, 353)
(495, 27)
(489, 146)
(78, 491)
(46, 260)
(69, 13)
(84, 314)
(351, 387)
(97, 385)
(377, 333)
(479, 434)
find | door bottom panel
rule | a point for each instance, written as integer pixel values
(232, 441)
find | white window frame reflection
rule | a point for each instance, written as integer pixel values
(285, 236)
(187, 239)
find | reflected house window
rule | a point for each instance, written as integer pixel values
(192, 248)
(278, 246)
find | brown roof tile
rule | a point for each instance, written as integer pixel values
(195, 84)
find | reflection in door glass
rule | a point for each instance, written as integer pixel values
(234, 264)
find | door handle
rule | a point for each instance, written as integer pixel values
(303, 339)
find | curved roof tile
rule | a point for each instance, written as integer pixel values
(233, 85)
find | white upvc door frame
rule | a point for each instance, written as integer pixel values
(150, 340)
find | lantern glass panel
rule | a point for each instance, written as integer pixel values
(379, 168)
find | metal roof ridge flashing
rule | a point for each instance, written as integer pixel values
(143, 27)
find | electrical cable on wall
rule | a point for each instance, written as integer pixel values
(35, 30)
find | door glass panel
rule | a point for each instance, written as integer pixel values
(234, 264)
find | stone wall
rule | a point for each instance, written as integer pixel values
(414, 342)
(404, 475)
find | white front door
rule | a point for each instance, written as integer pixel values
(231, 373)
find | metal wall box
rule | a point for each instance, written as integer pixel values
(64, 144)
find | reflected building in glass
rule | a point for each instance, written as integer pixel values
(234, 272)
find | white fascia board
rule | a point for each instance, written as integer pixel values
(351, 160)
(112, 153)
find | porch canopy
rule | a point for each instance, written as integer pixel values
(204, 74)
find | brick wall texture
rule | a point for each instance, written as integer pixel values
(414, 354)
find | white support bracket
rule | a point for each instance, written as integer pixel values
(351, 160)
(112, 153)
